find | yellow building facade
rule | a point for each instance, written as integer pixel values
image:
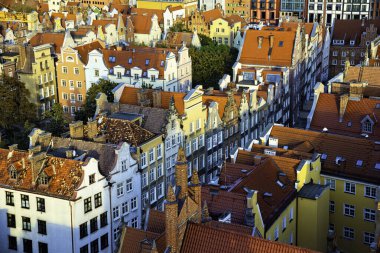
(352, 215)
(39, 76)
(223, 32)
(190, 6)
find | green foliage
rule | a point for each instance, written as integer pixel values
(205, 40)
(178, 27)
(23, 8)
(57, 123)
(14, 103)
(211, 62)
(104, 86)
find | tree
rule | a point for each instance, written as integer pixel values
(104, 86)
(57, 123)
(14, 103)
(211, 62)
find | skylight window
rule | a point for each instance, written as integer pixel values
(162, 63)
(147, 62)
(267, 194)
(359, 163)
(378, 106)
(280, 43)
(377, 166)
(349, 124)
(112, 59)
(130, 60)
(279, 183)
(324, 156)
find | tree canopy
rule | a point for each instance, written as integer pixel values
(211, 62)
(88, 111)
(14, 102)
(57, 123)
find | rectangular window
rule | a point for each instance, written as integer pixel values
(349, 187)
(26, 224)
(129, 185)
(98, 199)
(160, 190)
(368, 238)
(153, 195)
(42, 247)
(11, 220)
(9, 198)
(94, 246)
(83, 232)
(331, 183)
(87, 205)
(12, 242)
(348, 233)
(134, 203)
(120, 189)
(284, 223)
(276, 234)
(28, 245)
(40, 204)
(332, 206)
(159, 151)
(370, 192)
(94, 225)
(91, 179)
(24, 201)
(143, 160)
(152, 174)
(369, 214)
(41, 227)
(84, 249)
(160, 171)
(116, 212)
(134, 223)
(144, 179)
(291, 214)
(125, 208)
(349, 210)
(103, 220)
(104, 241)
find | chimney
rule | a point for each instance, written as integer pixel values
(76, 130)
(271, 41)
(69, 154)
(44, 140)
(171, 216)
(260, 41)
(343, 100)
(92, 129)
(156, 94)
(356, 91)
(209, 91)
(181, 173)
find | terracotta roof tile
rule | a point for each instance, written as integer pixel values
(281, 53)
(348, 30)
(230, 227)
(326, 114)
(67, 174)
(131, 239)
(333, 145)
(200, 238)
(370, 75)
(156, 222)
(56, 39)
(211, 15)
(87, 48)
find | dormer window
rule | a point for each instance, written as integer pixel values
(130, 60)
(13, 173)
(147, 62)
(352, 42)
(118, 75)
(43, 179)
(367, 125)
(112, 59)
(359, 163)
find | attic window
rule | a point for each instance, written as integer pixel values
(367, 126)
(359, 163)
(352, 42)
(279, 183)
(377, 106)
(147, 62)
(267, 194)
(130, 60)
(112, 59)
(69, 59)
(144, 74)
(270, 152)
(13, 173)
(349, 124)
(280, 43)
(339, 160)
(324, 156)
(162, 63)
(43, 179)
(377, 166)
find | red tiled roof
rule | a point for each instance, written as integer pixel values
(200, 238)
(333, 145)
(87, 48)
(281, 53)
(326, 114)
(56, 39)
(156, 221)
(132, 237)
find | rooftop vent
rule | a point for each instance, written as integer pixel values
(279, 183)
(325, 130)
(339, 160)
(268, 194)
(244, 171)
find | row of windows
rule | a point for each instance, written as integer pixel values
(72, 109)
(65, 96)
(173, 141)
(94, 245)
(155, 193)
(88, 202)
(349, 187)
(9, 199)
(120, 187)
(27, 245)
(71, 82)
(349, 210)
(349, 233)
(26, 224)
(214, 140)
(153, 175)
(125, 208)
(153, 153)
(75, 70)
(195, 144)
(283, 224)
(83, 228)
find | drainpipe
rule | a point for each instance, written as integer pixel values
(72, 232)
(296, 235)
(110, 208)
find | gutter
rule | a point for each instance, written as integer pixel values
(72, 231)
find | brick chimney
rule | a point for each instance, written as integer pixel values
(181, 173)
(156, 94)
(343, 100)
(171, 216)
(195, 190)
(76, 130)
(44, 140)
(92, 129)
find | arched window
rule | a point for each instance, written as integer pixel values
(69, 59)
(12, 173)
(43, 179)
